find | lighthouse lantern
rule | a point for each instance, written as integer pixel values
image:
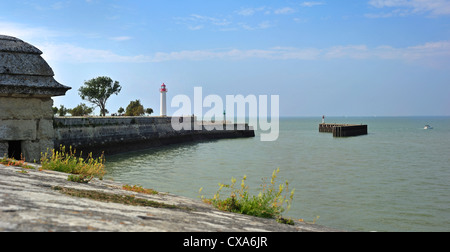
(163, 88)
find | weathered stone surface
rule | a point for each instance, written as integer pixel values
(3, 149)
(24, 64)
(13, 130)
(25, 108)
(12, 44)
(36, 135)
(25, 86)
(45, 130)
(28, 203)
(32, 150)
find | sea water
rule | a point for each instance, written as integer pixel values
(396, 178)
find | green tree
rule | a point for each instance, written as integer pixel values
(81, 110)
(149, 111)
(98, 91)
(55, 110)
(120, 111)
(62, 111)
(135, 108)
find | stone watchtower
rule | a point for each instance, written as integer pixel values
(26, 88)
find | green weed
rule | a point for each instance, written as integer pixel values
(67, 161)
(138, 189)
(13, 162)
(271, 202)
(84, 179)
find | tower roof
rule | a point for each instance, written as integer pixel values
(163, 88)
(23, 72)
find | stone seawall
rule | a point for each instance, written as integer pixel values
(118, 134)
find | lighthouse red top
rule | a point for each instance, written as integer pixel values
(163, 88)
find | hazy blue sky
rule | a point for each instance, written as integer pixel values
(332, 57)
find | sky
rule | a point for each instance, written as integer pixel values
(334, 58)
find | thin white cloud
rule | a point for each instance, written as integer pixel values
(238, 20)
(311, 4)
(121, 38)
(198, 22)
(75, 54)
(349, 51)
(236, 54)
(409, 7)
(251, 11)
(285, 10)
(260, 26)
(428, 52)
(56, 6)
(207, 19)
(432, 52)
(265, 10)
(26, 32)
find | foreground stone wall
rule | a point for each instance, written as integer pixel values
(118, 134)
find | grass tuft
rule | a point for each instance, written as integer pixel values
(138, 189)
(271, 202)
(66, 161)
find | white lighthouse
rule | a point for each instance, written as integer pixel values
(163, 91)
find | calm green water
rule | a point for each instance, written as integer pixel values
(397, 178)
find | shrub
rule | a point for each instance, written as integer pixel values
(135, 108)
(68, 162)
(269, 203)
(81, 110)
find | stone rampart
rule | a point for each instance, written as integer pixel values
(119, 134)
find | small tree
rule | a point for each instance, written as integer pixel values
(81, 110)
(149, 111)
(98, 91)
(55, 110)
(62, 111)
(120, 111)
(135, 108)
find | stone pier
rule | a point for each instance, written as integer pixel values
(343, 130)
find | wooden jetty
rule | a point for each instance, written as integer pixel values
(343, 130)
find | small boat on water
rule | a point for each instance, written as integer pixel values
(428, 127)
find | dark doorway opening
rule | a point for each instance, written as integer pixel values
(15, 149)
